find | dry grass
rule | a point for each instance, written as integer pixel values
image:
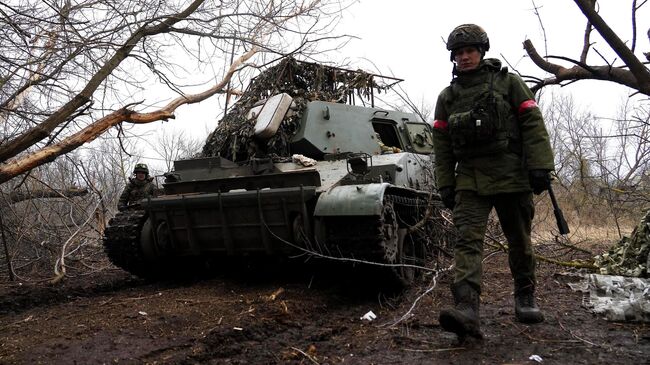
(591, 229)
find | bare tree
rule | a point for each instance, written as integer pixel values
(602, 164)
(632, 73)
(49, 239)
(43, 223)
(623, 162)
(616, 160)
(566, 126)
(172, 146)
(71, 71)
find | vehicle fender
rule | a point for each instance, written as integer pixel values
(346, 200)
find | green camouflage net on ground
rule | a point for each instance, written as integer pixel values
(304, 82)
(630, 256)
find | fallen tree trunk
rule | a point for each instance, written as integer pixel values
(18, 196)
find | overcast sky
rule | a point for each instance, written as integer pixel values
(406, 39)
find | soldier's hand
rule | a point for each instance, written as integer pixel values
(448, 196)
(540, 180)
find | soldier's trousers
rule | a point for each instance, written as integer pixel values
(515, 212)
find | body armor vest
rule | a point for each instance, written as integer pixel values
(139, 190)
(482, 121)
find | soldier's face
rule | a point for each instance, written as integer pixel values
(140, 175)
(467, 58)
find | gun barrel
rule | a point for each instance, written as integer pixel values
(562, 225)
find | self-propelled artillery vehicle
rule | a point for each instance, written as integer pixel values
(358, 186)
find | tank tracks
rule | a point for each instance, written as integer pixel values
(409, 210)
(382, 239)
(122, 241)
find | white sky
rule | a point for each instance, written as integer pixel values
(405, 39)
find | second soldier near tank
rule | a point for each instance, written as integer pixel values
(492, 150)
(139, 187)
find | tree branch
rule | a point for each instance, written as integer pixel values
(18, 196)
(637, 68)
(586, 43)
(43, 129)
(47, 154)
(577, 72)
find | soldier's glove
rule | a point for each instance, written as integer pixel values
(540, 180)
(448, 196)
(121, 207)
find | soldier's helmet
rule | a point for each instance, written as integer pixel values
(141, 167)
(468, 35)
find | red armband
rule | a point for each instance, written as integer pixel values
(525, 105)
(440, 124)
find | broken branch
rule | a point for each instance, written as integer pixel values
(26, 163)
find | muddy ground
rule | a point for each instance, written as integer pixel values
(297, 316)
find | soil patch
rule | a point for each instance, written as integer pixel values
(301, 316)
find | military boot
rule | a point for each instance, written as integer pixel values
(463, 319)
(526, 311)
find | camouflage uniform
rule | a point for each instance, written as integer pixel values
(136, 189)
(490, 167)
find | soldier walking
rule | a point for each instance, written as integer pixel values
(492, 150)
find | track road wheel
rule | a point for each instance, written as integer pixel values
(409, 252)
(389, 233)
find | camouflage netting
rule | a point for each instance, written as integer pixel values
(631, 255)
(304, 82)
